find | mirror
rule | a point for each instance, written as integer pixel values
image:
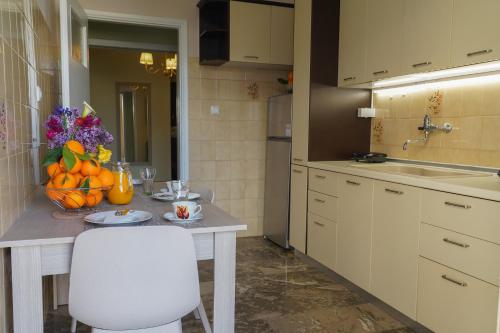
(134, 101)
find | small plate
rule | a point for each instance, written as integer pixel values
(172, 217)
(109, 217)
(166, 196)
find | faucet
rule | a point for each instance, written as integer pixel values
(428, 127)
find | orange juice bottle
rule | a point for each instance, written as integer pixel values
(123, 189)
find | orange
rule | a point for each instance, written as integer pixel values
(65, 180)
(75, 147)
(53, 194)
(74, 199)
(90, 168)
(76, 167)
(92, 200)
(54, 169)
(94, 184)
(106, 177)
(78, 177)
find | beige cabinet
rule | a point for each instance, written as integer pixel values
(383, 38)
(452, 302)
(355, 229)
(281, 35)
(250, 32)
(396, 210)
(426, 42)
(352, 42)
(475, 31)
(322, 240)
(298, 207)
(323, 181)
(301, 80)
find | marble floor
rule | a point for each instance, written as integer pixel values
(279, 292)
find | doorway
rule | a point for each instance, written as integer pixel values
(178, 111)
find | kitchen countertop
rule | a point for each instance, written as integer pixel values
(484, 187)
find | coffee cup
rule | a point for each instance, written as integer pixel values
(186, 209)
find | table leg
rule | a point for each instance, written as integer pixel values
(27, 289)
(224, 281)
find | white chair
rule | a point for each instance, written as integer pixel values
(134, 279)
(204, 192)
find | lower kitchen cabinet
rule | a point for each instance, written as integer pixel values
(355, 229)
(453, 302)
(298, 207)
(395, 245)
(322, 240)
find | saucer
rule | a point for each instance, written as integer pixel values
(166, 196)
(173, 218)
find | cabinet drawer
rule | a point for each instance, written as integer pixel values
(470, 255)
(466, 215)
(452, 302)
(322, 205)
(322, 240)
(323, 181)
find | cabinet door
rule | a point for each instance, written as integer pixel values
(355, 229)
(298, 207)
(384, 35)
(322, 240)
(426, 35)
(250, 32)
(352, 42)
(475, 31)
(395, 246)
(281, 35)
(301, 81)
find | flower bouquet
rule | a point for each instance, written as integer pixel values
(76, 142)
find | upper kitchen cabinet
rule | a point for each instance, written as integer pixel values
(250, 32)
(383, 38)
(426, 35)
(476, 25)
(301, 81)
(352, 42)
(282, 35)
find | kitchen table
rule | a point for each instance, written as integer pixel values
(42, 245)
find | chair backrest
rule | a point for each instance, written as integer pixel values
(125, 278)
(206, 193)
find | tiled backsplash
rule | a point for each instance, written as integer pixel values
(227, 150)
(23, 22)
(474, 112)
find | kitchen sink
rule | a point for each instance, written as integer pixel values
(426, 172)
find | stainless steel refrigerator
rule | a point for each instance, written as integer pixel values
(277, 185)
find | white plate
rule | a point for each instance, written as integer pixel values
(172, 217)
(165, 196)
(109, 217)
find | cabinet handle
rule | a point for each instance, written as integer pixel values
(298, 159)
(454, 204)
(320, 224)
(385, 71)
(350, 78)
(319, 200)
(320, 176)
(420, 64)
(449, 241)
(389, 190)
(350, 182)
(297, 171)
(476, 53)
(460, 283)
(250, 57)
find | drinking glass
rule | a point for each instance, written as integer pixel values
(180, 189)
(148, 177)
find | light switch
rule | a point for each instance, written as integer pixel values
(214, 110)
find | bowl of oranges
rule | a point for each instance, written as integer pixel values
(77, 181)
